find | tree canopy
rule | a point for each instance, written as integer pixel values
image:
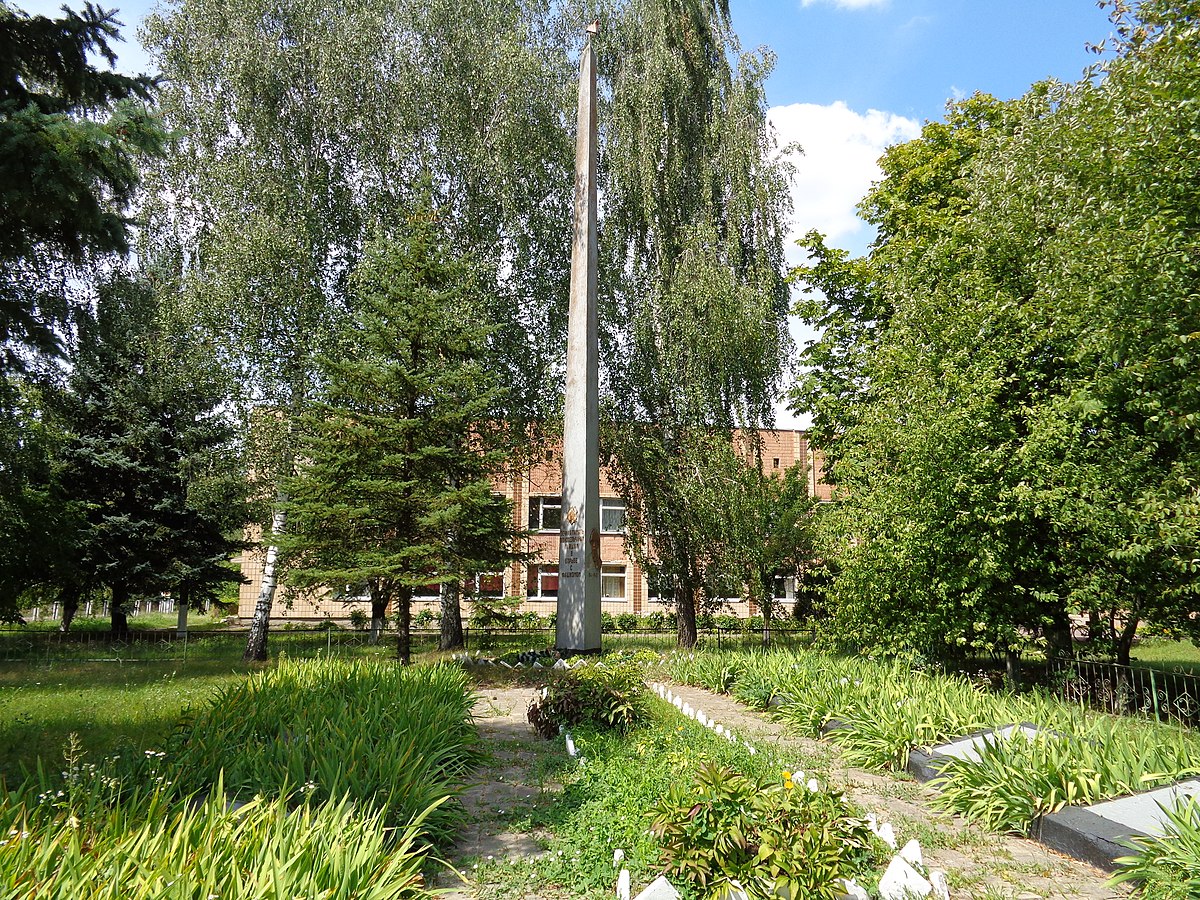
(1008, 381)
(72, 139)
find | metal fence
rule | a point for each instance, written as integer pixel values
(1128, 690)
(48, 647)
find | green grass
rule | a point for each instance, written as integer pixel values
(110, 707)
(1168, 655)
(605, 803)
(343, 769)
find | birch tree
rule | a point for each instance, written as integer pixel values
(692, 272)
(303, 126)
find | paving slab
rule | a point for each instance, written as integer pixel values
(925, 765)
(1101, 833)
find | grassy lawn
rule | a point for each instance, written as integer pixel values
(1168, 655)
(110, 706)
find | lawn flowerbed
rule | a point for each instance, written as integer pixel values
(880, 710)
(311, 779)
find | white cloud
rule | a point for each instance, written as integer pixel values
(838, 164)
(847, 4)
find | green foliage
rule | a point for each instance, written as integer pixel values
(1167, 867)
(605, 695)
(773, 837)
(395, 739)
(71, 138)
(146, 847)
(1018, 780)
(692, 252)
(884, 709)
(605, 798)
(147, 465)
(395, 490)
(1008, 445)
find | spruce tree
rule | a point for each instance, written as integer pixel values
(394, 490)
(145, 445)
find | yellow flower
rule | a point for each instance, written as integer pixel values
(787, 776)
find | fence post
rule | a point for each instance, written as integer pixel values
(1154, 695)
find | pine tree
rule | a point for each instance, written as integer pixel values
(145, 447)
(394, 490)
(71, 136)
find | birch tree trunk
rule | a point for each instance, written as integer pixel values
(256, 645)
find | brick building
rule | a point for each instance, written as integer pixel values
(536, 502)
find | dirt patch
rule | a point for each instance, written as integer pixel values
(518, 772)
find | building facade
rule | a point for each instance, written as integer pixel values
(536, 499)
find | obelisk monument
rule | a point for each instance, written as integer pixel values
(578, 619)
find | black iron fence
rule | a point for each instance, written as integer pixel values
(1128, 690)
(45, 646)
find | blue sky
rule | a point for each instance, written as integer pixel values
(854, 76)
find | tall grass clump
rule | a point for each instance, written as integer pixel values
(148, 847)
(314, 779)
(1167, 867)
(398, 740)
(880, 710)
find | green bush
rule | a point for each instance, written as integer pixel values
(774, 837)
(605, 695)
(607, 623)
(1167, 867)
(627, 622)
(426, 618)
(730, 623)
(398, 740)
(661, 621)
(359, 619)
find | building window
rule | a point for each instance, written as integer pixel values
(426, 592)
(545, 513)
(612, 514)
(659, 588)
(780, 584)
(612, 582)
(486, 584)
(543, 582)
(775, 463)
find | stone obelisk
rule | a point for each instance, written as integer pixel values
(578, 620)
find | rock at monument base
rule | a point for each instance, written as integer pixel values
(659, 889)
(901, 882)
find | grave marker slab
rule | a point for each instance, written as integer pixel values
(925, 765)
(1100, 833)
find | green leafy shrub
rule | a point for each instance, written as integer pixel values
(148, 847)
(358, 619)
(627, 622)
(730, 623)
(661, 621)
(774, 837)
(1167, 867)
(426, 618)
(607, 623)
(605, 694)
(395, 739)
